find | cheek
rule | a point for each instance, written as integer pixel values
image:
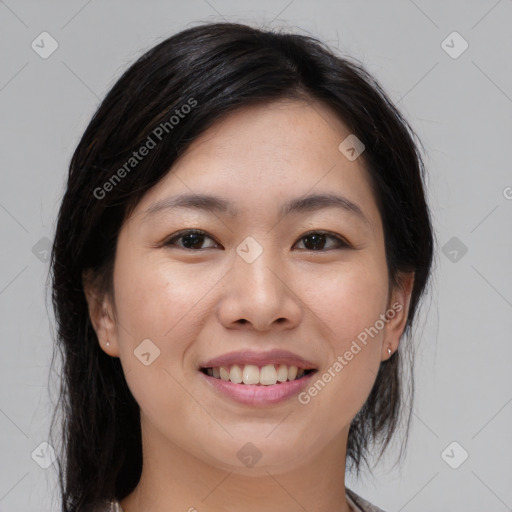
(349, 304)
(164, 302)
(156, 321)
(158, 298)
(347, 300)
(155, 324)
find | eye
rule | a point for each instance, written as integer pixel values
(316, 240)
(192, 239)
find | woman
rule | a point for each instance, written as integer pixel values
(242, 245)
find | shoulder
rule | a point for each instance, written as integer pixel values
(364, 506)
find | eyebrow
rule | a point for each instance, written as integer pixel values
(214, 204)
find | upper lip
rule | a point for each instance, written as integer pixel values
(276, 356)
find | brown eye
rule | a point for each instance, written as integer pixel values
(316, 241)
(192, 239)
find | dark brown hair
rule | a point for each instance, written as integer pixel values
(221, 67)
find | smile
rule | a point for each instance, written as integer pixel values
(250, 374)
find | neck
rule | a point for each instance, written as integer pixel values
(174, 479)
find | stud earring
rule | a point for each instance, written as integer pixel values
(107, 343)
(389, 351)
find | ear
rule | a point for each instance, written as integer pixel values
(101, 313)
(397, 313)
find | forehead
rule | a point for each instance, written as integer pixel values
(262, 156)
(270, 137)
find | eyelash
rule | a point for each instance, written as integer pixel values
(343, 244)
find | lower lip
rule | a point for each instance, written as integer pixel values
(250, 394)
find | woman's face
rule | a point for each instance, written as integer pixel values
(271, 270)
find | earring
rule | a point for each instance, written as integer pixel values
(107, 343)
(389, 352)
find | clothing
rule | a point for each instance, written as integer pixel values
(357, 503)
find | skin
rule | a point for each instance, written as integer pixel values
(192, 303)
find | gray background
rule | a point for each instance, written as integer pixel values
(461, 108)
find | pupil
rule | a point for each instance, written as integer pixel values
(316, 239)
(194, 237)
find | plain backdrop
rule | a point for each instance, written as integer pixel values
(458, 99)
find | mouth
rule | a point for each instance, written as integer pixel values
(255, 375)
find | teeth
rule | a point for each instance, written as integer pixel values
(282, 373)
(268, 375)
(251, 374)
(235, 374)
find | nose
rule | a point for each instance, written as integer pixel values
(260, 295)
